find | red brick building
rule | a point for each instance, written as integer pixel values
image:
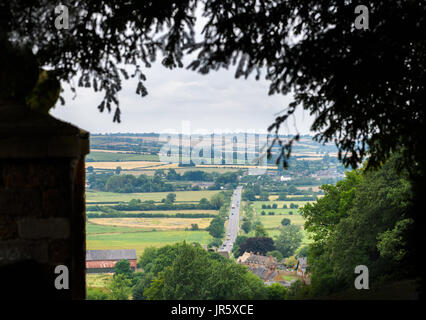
(103, 261)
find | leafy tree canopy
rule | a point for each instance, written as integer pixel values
(259, 245)
(288, 240)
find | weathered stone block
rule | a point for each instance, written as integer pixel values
(16, 175)
(53, 228)
(59, 251)
(20, 202)
(8, 229)
(56, 203)
(13, 251)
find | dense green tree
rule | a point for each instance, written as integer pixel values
(93, 293)
(276, 254)
(303, 251)
(249, 194)
(216, 228)
(236, 247)
(363, 220)
(264, 196)
(260, 231)
(216, 242)
(119, 287)
(257, 244)
(217, 200)
(295, 290)
(172, 175)
(204, 203)
(288, 240)
(123, 267)
(198, 274)
(246, 226)
(171, 197)
(194, 226)
(143, 283)
(276, 291)
(285, 221)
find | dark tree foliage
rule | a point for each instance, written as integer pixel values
(365, 87)
(257, 244)
(102, 38)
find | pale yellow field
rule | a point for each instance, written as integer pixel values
(153, 223)
(125, 165)
(110, 151)
(164, 166)
(233, 166)
(175, 211)
(314, 188)
(311, 159)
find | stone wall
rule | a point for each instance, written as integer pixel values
(42, 205)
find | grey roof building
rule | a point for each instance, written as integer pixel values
(96, 255)
(101, 261)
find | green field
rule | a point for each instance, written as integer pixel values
(115, 238)
(257, 205)
(275, 232)
(109, 156)
(273, 222)
(92, 229)
(98, 280)
(99, 196)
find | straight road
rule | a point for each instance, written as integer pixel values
(234, 220)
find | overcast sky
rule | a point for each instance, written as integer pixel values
(216, 101)
(212, 102)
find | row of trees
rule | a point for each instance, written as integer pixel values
(252, 192)
(215, 203)
(160, 182)
(275, 206)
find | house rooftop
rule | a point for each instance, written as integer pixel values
(96, 255)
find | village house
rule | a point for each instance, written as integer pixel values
(262, 266)
(301, 266)
(103, 261)
(204, 185)
(255, 260)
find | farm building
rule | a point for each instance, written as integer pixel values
(103, 261)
